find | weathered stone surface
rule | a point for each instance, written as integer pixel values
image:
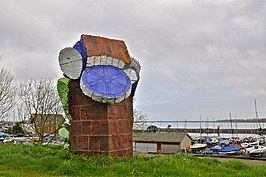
(98, 46)
(98, 128)
(131, 73)
(135, 64)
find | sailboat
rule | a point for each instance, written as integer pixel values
(251, 144)
(259, 130)
(255, 148)
(200, 145)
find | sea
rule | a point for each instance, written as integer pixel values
(211, 125)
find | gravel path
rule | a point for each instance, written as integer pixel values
(251, 162)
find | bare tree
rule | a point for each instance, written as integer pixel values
(139, 120)
(7, 91)
(40, 109)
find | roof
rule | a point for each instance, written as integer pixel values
(173, 137)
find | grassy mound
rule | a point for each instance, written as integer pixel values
(33, 160)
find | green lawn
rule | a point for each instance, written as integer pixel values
(46, 161)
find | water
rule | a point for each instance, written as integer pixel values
(211, 125)
(224, 135)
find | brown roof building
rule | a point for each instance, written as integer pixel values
(47, 123)
(172, 142)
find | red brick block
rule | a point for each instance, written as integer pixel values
(86, 127)
(98, 128)
(113, 127)
(93, 111)
(104, 144)
(74, 143)
(98, 46)
(94, 144)
(119, 111)
(122, 153)
(115, 143)
(83, 142)
(122, 126)
(75, 129)
(104, 127)
(126, 141)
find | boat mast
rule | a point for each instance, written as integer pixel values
(257, 117)
(207, 126)
(236, 126)
(200, 127)
(231, 124)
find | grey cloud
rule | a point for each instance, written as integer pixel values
(187, 48)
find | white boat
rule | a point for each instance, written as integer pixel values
(198, 146)
(250, 148)
(16, 140)
(258, 150)
(246, 145)
(224, 142)
(214, 141)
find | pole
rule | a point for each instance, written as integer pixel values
(200, 125)
(232, 131)
(257, 117)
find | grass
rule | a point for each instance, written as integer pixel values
(32, 160)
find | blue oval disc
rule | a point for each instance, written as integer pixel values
(106, 81)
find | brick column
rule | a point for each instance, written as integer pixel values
(98, 128)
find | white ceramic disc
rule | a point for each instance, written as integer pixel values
(70, 62)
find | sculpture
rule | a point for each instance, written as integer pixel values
(97, 95)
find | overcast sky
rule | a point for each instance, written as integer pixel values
(197, 57)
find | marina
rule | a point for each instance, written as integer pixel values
(242, 139)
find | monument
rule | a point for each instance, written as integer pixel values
(97, 95)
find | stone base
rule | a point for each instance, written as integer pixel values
(98, 128)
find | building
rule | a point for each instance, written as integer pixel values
(46, 123)
(172, 142)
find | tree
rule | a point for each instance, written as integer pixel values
(7, 91)
(16, 129)
(39, 109)
(139, 120)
